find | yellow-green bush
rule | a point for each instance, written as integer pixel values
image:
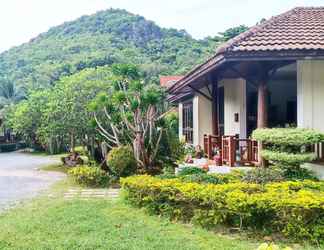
(266, 246)
(121, 161)
(89, 176)
(295, 209)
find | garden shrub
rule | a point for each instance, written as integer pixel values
(288, 136)
(190, 171)
(271, 246)
(289, 148)
(121, 161)
(263, 175)
(9, 147)
(296, 209)
(89, 176)
(212, 178)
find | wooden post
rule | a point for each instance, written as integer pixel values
(262, 115)
(262, 106)
(232, 151)
(215, 128)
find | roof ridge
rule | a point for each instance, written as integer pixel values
(254, 30)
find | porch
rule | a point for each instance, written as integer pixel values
(223, 108)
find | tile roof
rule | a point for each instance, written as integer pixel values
(168, 81)
(297, 31)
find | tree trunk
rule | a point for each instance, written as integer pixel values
(72, 143)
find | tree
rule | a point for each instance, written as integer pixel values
(10, 93)
(233, 32)
(133, 112)
(59, 117)
(25, 118)
(66, 114)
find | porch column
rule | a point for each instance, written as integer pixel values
(262, 105)
(215, 128)
(262, 116)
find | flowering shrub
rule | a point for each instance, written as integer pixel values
(295, 209)
(89, 176)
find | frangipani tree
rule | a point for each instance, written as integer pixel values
(132, 112)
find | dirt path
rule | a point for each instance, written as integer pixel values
(21, 179)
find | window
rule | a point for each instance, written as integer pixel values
(187, 125)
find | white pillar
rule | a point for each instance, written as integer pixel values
(235, 103)
(310, 94)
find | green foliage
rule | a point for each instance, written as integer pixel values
(294, 209)
(233, 32)
(287, 159)
(52, 117)
(264, 175)
(89, 176)
(121, 161)
(25, 118)
(171, 149)
(271, 246)
(190, 171)
(205, 178)
(105, 38)
(288, 136)
(132, 113)
(288, 148)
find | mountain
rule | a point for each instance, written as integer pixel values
(111, 36)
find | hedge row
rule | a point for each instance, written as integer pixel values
(295, 209)
(8, 147)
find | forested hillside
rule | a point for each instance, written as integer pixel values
(111, 36)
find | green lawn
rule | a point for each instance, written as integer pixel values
(55, 223)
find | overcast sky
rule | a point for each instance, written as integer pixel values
(21, 20)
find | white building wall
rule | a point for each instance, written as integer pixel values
(202, 113)
(234, 102)
(310, 94)
(180, 110)
(195, 108)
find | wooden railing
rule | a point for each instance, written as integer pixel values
(228, 150)
(212, 143)
(232, 149)
(235, 151)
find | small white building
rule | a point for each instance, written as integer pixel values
(269, 76)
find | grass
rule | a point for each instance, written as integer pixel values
(56, 223)
(56, 168)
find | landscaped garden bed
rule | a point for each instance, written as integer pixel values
(294, 209)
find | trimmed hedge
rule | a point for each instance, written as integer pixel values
(287, 158)
(288, 136)
(295, 209)
(8, 147)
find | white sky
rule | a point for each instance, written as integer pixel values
(21, 20)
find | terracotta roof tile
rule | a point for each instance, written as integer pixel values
(168, 81)
(298, 29)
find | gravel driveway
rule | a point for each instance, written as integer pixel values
(20, 179)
